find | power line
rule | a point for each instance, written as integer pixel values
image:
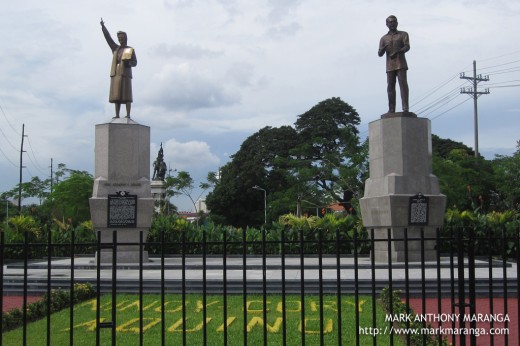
(7, 139)
(35, 162)
(504, 64)
(439, 115)
(447, 101)
(442, 98)
(433, 90)
(507, 70)
(8, 160)
(501, 56)
(505, 86)
(8, 122)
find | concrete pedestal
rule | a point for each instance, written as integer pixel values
(401, 167)
(122, 168)
(158, 194)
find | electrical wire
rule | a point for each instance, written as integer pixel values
(8, 122)
(505, 86)
(8, 160)
(35, 162)
(435, 89)
(446, 97)
(453, 97)
(441, 114)
(7, 140)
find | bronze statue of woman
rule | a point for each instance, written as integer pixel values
(123, 59)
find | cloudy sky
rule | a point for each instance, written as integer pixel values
(210, 73)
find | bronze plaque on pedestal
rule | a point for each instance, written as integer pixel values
(418, 211)
(122, 210)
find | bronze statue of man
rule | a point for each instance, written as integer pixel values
(123, 59)
(395, 44)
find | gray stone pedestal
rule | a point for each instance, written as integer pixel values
(400, 155)
(158, 194)
(121, 199)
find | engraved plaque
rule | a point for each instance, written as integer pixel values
(418, 211)
(122, 210)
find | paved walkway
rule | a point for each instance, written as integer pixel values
(12, 302)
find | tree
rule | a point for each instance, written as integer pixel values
(70, 197)
(507, 173)
(468, 183)
(183, 184)
(318, 161)
(329, 151)
(444, 147)
(35, 188)
(261, 161)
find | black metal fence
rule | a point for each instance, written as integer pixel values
(339, 296)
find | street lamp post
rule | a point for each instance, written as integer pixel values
(6, 213)
(256, 187)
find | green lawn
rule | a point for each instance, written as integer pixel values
(128, 321)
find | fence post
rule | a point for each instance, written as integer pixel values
(373, 276)
(356, 283)
(462, 294)
(224, 284)
(390, 279)
(407, 280)
(504, 275)
(471, 283)
(163, 319)
(2, 244)
(24, 304)
(49, 262)
(284, 313)
(183, 287)
(320, 280)
(141, 249)
(244, 284)
(98, 288)
(338, 287)
(114, 287)
(71, 302)
(302, 285)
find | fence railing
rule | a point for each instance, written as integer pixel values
(298, 290)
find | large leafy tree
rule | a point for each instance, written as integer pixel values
(69, 198)
(318, 161)
(35, 188)
(329, 152)
(261, 161)
(507, 173)
(468, 182)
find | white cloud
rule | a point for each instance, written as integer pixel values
(182, 87)
(185, 51)
(187, 156)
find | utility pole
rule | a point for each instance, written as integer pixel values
(52, 175)
(475, 94)
(21, 167)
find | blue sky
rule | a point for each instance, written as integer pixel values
(211, 73)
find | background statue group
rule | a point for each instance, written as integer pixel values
(159, 166)
(394, 44)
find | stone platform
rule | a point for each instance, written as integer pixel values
(368, 279)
